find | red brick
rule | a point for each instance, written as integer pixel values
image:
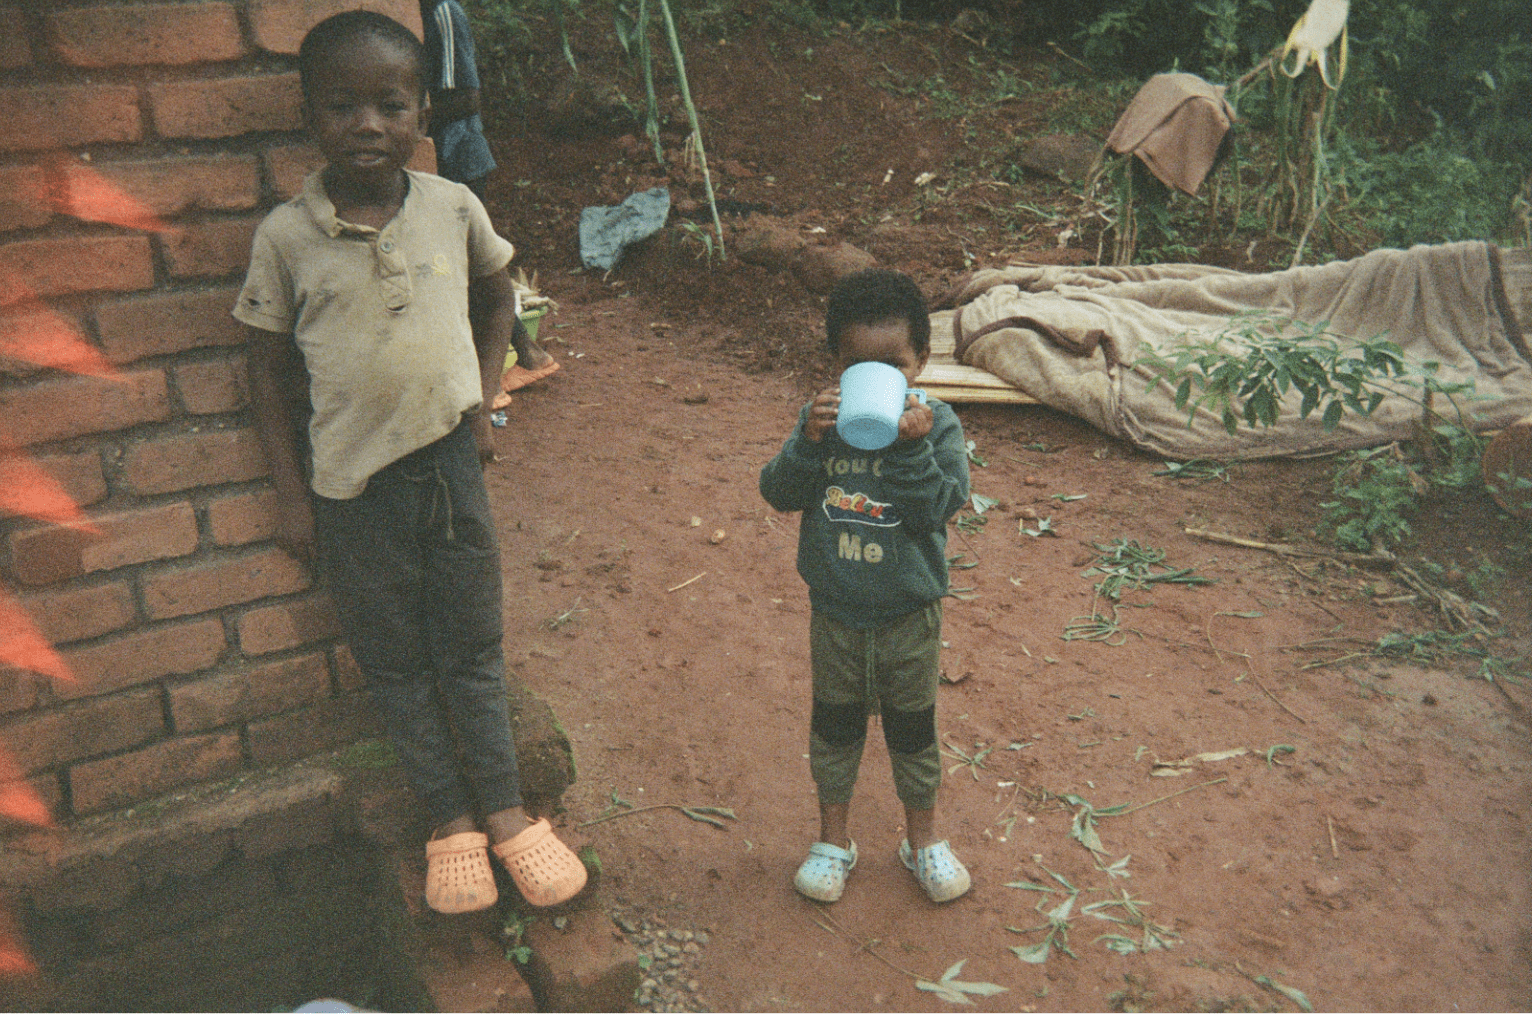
(214, 386)
(63, 616)
(290, 624)
(133, 777)
(20, 690)
(47, 789)
(39, 118)
(142, 656)
(23, 198)
(287, 165)
(15, 50)
(35, 337)
(323, 726)
(48, 554)
(145, 34)
(74, 731)
(279, 25)
(162, 323)
(54, 266)
(218, 247)
(348, 674)
(424, 159)
(169, 187)
(240, 519)
(71, 407)
(224, 107)
(188, 590)
(191, 461)
(196, 901)
(79, 474)
(231, 697)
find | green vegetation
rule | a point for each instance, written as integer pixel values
(1424, 139)
(1244, 371)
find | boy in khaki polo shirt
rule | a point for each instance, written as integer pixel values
(362, 344)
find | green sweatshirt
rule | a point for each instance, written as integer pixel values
(872, 542)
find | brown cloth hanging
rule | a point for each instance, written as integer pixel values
(1175, 124)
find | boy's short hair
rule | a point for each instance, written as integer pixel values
(325, 39)
(874, 296)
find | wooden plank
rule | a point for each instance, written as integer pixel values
(969, 394)
(952, 382)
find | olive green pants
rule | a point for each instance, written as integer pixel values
(890, 670)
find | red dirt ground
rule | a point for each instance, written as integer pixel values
(1381, 865)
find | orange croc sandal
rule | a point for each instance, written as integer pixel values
(545, 870)
(458, 877)
(516, 376)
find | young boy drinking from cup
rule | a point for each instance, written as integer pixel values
(872, 547)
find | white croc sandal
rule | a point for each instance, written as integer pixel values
(823, 874)
(940, 873)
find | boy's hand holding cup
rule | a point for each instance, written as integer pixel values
(822, 414)
(917, 419)
(876, 407)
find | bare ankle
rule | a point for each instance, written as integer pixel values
(506, 824)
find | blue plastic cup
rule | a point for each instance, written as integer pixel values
(872, 396)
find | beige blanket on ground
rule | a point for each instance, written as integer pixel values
(1070, 337)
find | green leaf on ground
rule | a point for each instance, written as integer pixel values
(1296, 996)
(955, 991)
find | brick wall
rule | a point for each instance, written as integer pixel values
(141, 144)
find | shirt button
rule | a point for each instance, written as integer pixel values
(386, 247)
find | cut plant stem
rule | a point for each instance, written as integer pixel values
(687, 583)
(1172, 795)
(829, 924)
(1287, 549)
(688, 810)
(1273, 699)
(691, 114)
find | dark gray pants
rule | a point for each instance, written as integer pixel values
(414, 569)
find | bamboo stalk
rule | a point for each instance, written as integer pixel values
(691, 113)
(646, 58)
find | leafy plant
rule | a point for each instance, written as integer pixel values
(973, 761)
(1042, 528)
(1126, 564)
(1083, 828)
(1375, 489)
(1151, 936)
(1245, 369)
(1056, 924)
(699, 239)
(1098, 628)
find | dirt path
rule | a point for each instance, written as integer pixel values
(1380, 865)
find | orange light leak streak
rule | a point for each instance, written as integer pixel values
(33, 333)
(80, 191)
(17, 798)
(28, 490)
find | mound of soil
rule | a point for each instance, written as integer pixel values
(1365, 848)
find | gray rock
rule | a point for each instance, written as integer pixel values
(1064, 156)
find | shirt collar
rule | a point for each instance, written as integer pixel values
(322, 209)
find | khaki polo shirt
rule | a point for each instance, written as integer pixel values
(381, 317)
